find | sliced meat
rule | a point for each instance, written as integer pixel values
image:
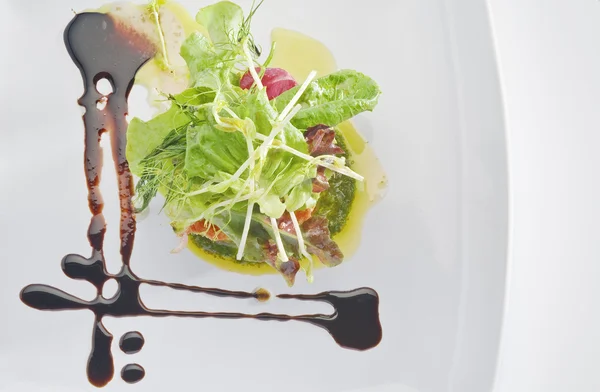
(321, 141)
(320, 183)
(207, 230)
(285, 222)
(288, 269)
(319, 242)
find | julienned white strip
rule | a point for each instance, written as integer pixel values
(301, 245)
(231, 112)
(222, 204)
(251, 66)
(276, 130)
(233, 178)
(161, 35)
(248, 220)
(345, 171)
(246, 164)
(297, 96)
(219, 121)
(278, 240)
(286, 115)
(244, 238)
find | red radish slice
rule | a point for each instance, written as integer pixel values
(276, 80)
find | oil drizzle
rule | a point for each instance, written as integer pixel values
(101, 48)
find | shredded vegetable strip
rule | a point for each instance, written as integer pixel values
(282, 255)
(302, 246)
(251, 66)
(244, 238)
(248, 220)
(297, 96)
(231, 112)
(161, 35)
(251, 181)
(286, 115)
(321, 159)
(276, 130)
(216, 206)
(221, 122)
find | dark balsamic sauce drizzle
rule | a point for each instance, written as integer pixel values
(132, 342)
(132, 373)
(101, 48)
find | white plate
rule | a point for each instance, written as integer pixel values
(434, 249)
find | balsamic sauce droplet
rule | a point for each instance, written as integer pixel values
(131, 342)
(102, 48)
(262, 295)
(355, 323)
(100, 368)
(132, 373)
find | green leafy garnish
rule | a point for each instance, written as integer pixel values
(234, 167)
(333, 99)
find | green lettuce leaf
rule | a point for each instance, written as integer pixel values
(299, 195)
(194, 97)
(201, 59)
(223, 21)
(145, 136)
(211, 151)
(332, 99)
(257, 108)
(207, 68)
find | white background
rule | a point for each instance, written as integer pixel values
(549, 59)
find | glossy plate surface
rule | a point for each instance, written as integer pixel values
(434, 248)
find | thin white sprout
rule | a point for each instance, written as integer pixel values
(297, 96)
(248, 220)
(216, 206)
(227, 182)
(250, 159)
(231, 112)
(161, 35)
(219, 121)
(345, 170)
(244, 238)
(276, 130)
(251, 66)
(278, 240)
(301, 245)
(342, 170)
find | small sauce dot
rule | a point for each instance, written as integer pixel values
(131, 342)
(262, 295)
(132, 373)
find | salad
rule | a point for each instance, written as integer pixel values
(249, 160)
